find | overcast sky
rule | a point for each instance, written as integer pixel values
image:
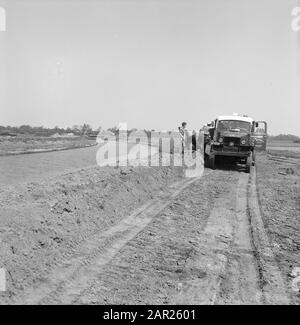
(150, 63)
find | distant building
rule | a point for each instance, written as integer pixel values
(69, 135)
(105, 135)
(55, 135)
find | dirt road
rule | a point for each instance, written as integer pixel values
(35, 167)
(20, 169)
(198, 241)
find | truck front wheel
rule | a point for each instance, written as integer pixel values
(253, 158)
(249, 163)
(212, 162)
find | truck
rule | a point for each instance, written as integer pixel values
(235, 136)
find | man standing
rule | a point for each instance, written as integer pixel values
(182, 132)
(186, 137)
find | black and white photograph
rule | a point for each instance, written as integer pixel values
(149, 155)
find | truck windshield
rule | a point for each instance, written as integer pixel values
(234, 126)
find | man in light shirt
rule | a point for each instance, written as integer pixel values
(186, 136)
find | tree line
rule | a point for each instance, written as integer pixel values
(78, 130)
(284, 137)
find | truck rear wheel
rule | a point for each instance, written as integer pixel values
(206, 161)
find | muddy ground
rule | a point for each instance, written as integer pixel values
(278, 185)
(149, 235)
(42, 223)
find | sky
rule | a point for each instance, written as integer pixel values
(149, 63)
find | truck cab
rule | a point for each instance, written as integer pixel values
(234, 136)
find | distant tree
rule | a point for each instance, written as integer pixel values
(77, 129)
(46, 132)
(114, 130)
(25, 129)
(284, 137)
(86, 128)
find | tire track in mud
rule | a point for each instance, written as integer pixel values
(227, 255)
(240, 282)
(252, 275)
(73, 275)
(271, 282)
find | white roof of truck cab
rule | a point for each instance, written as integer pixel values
(235, 118)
